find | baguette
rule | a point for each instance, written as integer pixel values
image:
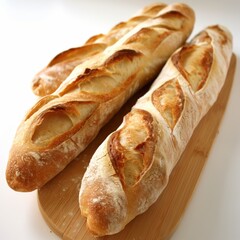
(61, 125)
(132, 166)
(50, 78)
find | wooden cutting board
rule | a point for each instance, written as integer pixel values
(58, 200)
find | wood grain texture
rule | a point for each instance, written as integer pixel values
(58, 199)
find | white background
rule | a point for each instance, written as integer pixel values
(32, 32)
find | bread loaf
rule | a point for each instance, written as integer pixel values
(49, 78)
(132, 166)
(61, 125)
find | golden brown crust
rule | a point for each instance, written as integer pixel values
(50, 78)
(203, 58)
(90, 83)
(61, 125)
(169, 100)
(152, 137)
(131, 161)
(100, 212)
(51, 126)
(58, 69)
